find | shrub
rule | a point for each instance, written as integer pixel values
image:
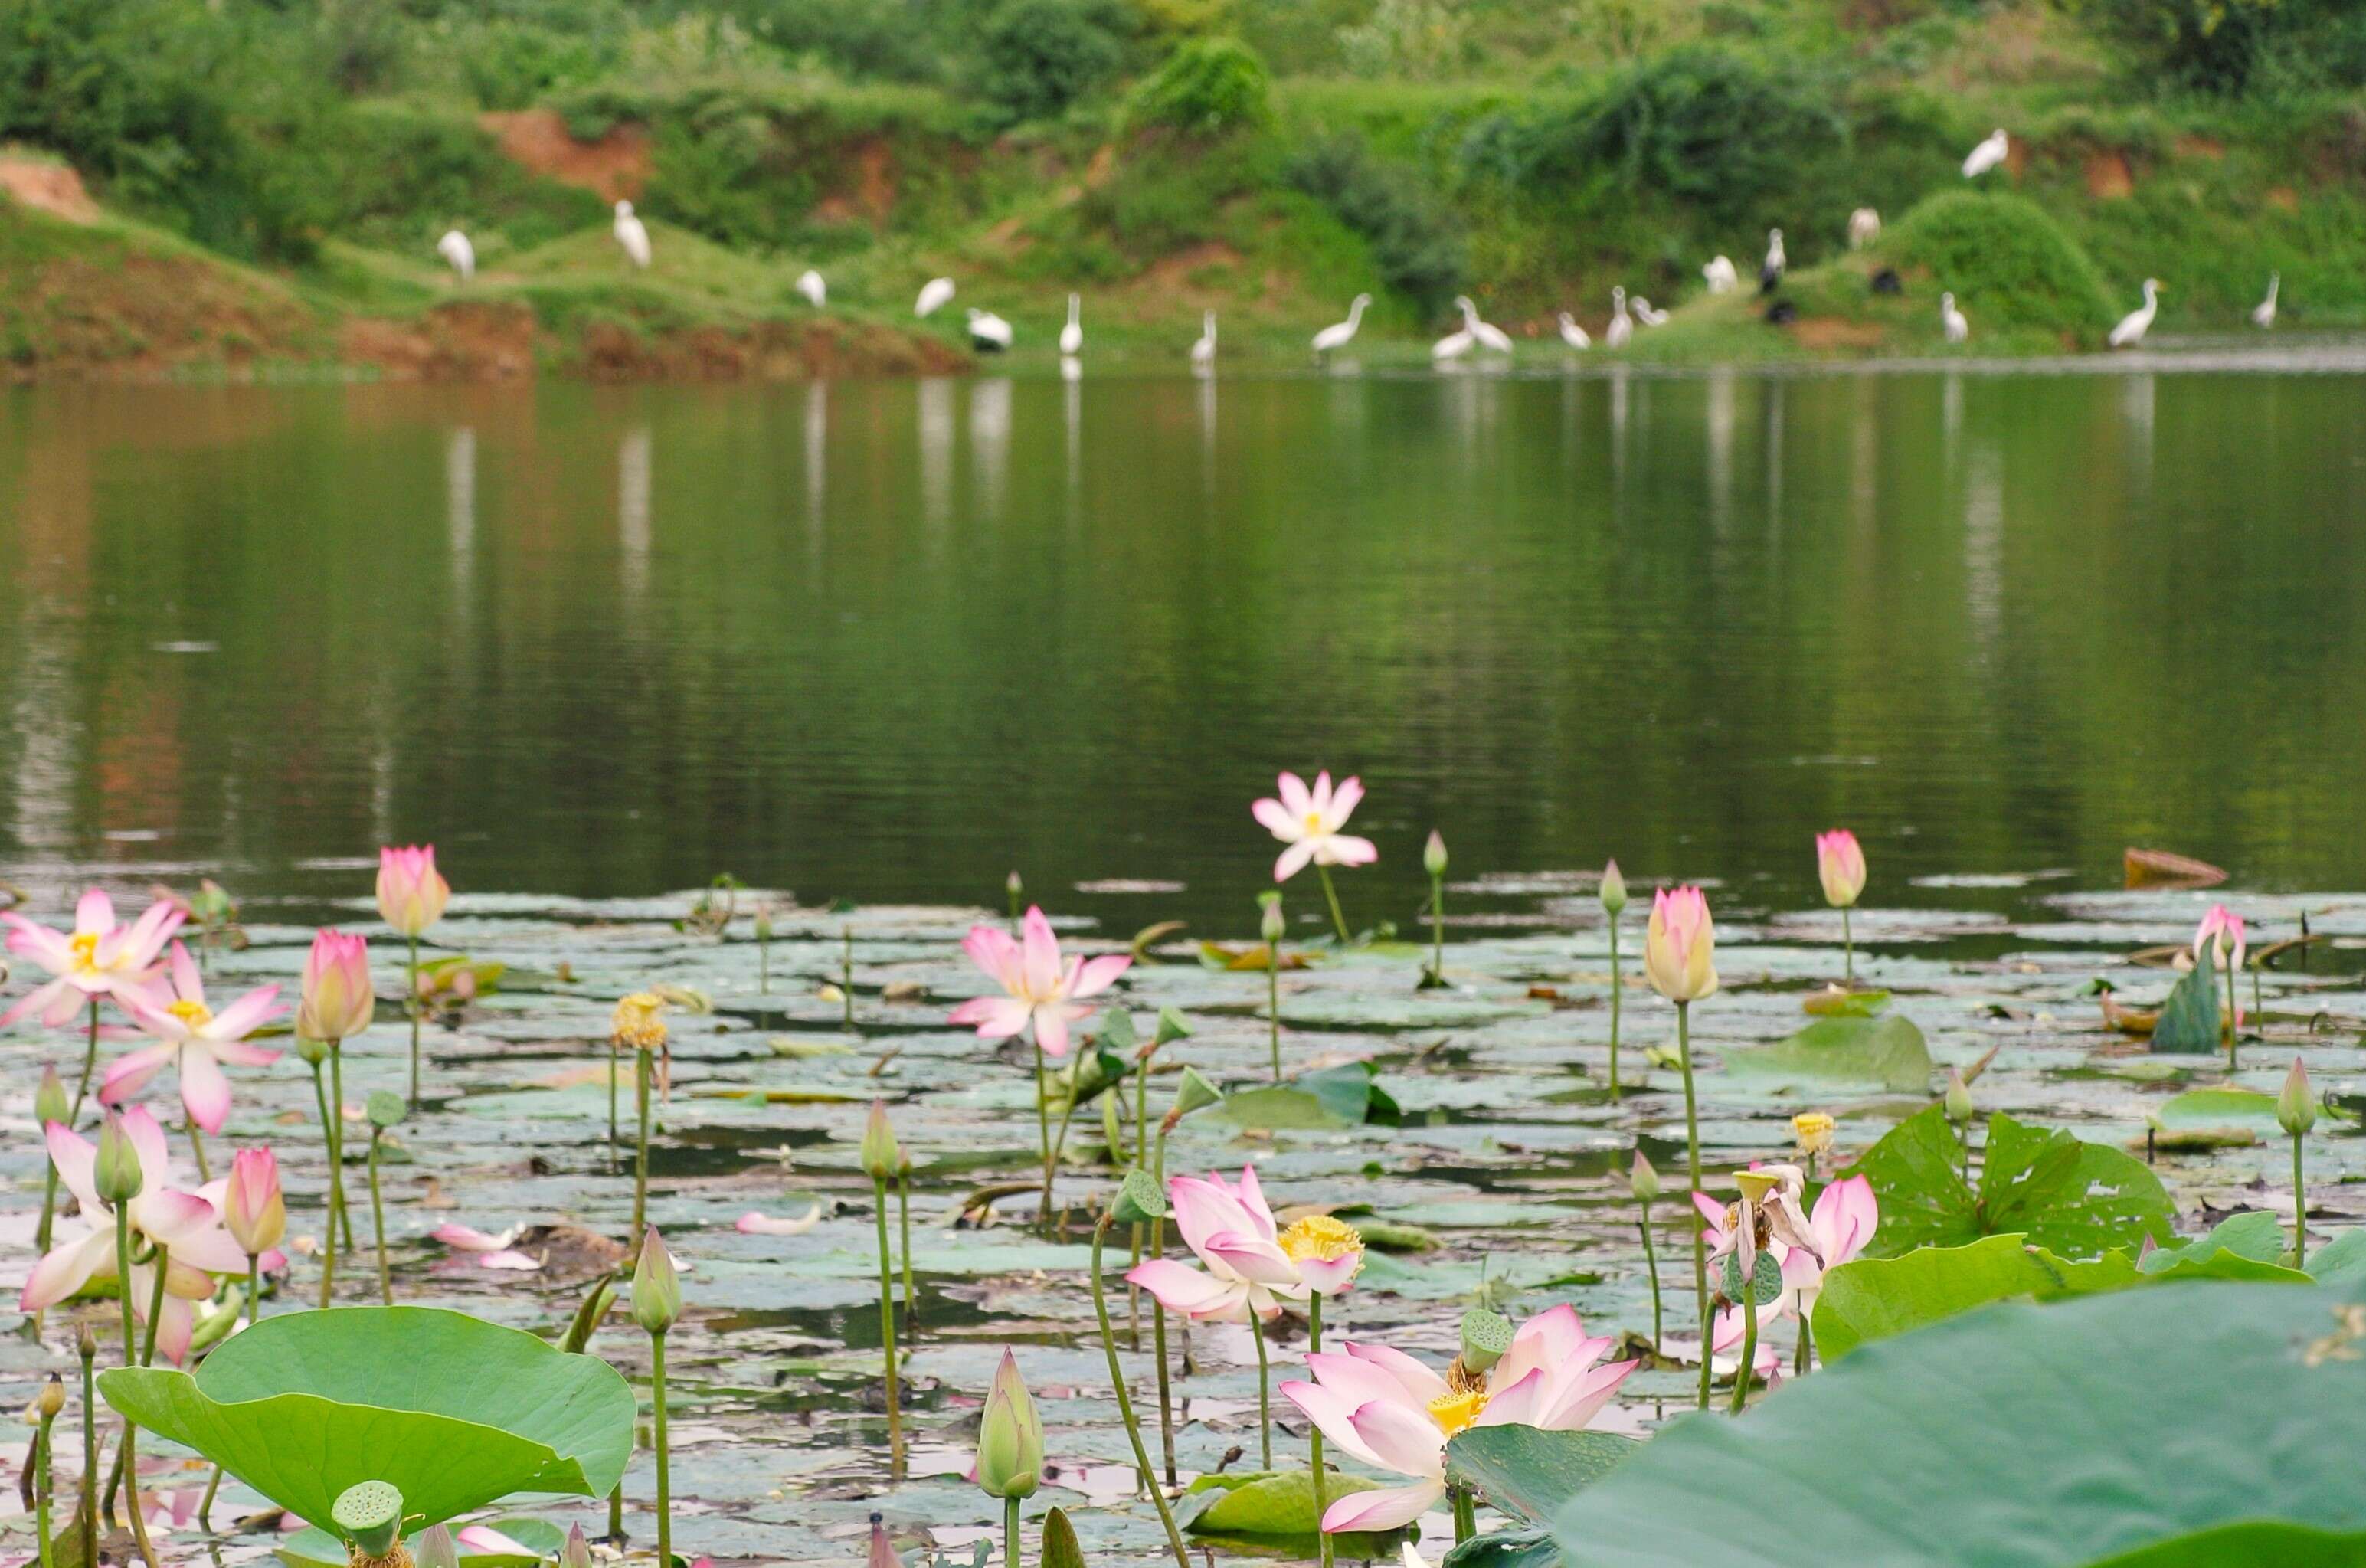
(1036, 57)
(2214, 45)
(1418, 244)
(2006, 259)
(1207, 87)
(399, 176)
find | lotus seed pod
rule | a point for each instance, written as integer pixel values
(385, 1108)
(1194, 1093)
(370, 1515)
(657, 1289)
(1138, 1200)
(49, 1100)
(1486, 1337)
(1171, 1027)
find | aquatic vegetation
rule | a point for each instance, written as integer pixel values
(385, 1108)
(2220, 938)
(1680, 957)
(1138, 1200)
(657, 1306)
(412, 896)
(2296, 1113)
(1433, 861)
(1612, 894)
(1839, 865)
(338, 1002)
(1009, 1448)
(638, 1025)
(881, 1160)
(1309, 821)
(195, 1040)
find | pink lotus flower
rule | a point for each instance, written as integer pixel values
(411, 895)
(97, 958)
(338, 1002)
(1841, 863)
(192, 1036)
(1680, 946)
(2220, 927)
(187, 1225)
(487, 1541)
(1233, 1233)
(1840, 1228)
(1389, 1411)
(490, 1251)
(1309, 822)
(1039, 991)
(252, 1210)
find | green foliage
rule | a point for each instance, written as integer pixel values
(1207, 87)
(2008, 262)
(2078, 1199)
(1418, 243)
(1035, 58)
(2189, 1023)
(1889, 1052)
(1529, 1473)
(396, 178)
(2212, 45)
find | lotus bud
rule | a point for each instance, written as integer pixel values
(1614, 890)
(657, 1289)
(576, 1553)
(1680, 945)
(1194, 1093)
(1012, 886)
(211, 903)
(411, 895)
(1958, 1098)
(763, 925)
(385, 1108)
(2296, 1107)
(1814, 1131)
(435, 1548)
(370, 1516)
(1271, 927)
(53, 1400)
(1839, 865)
(116, 1173)
(881, 1156)
(86, 1342)
(1643, 1181)
(1486, 1337)
(1328, 1251)
(1138, 1200)
(1433, 854)
(49, 1099)
(338, 1003)
(1009, 1436)
(253, 1207)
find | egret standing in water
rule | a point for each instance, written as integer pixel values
(1203, 351)
(632, 234)
(1988, 155)
(988, 333)
(935, 295)
(1770, 271)
(1341, 333)
(1072, 336)
(1573, 335)
(454, 247)
(2263, 314)
(1952, 320)
(1491, 338)
(2138, 322)
(816, 291)
(1620, 329)
(1719, 273)
(1453, 346)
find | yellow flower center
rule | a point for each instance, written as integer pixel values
(1314, 822)
(85, 950)
(634, 1025)
(1322, 1238)
(1456, 1411)
(191, 1013)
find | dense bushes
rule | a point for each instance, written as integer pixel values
(400, 177)
(1207, 87)
(1417, 243)
(2007, 261)
(1033, 58)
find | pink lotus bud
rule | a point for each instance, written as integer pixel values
(411, 895)
(1680, 947)
(116, 1173)
(338, 1002)
(1841, 865)
(253, 1208)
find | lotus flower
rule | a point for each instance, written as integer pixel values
(1039, 991)
(1394, 1413)
(194, 1037)
(1232, 1232)
(1680, 947)
(97, 958)
(1841, 863)
(1328, 1251)
(338, 1002)
(253, 1208)
(485, 1540)
(188, 1226)
(411, 895)
(2219, 928)
(1309, 820)
(1842, 1226)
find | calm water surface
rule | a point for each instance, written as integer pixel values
(887, 641)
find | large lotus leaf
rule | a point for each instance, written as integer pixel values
(453, 1411)
(2188, 1021)
(1888, 1052)
(2077, 1199)
(1528, 1471)
(2022, 1437)
(1524, 1547)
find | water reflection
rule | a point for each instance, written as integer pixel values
(460, 507)
(936, 430)
(989, 442)
(633, 509)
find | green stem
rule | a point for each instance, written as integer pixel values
(1059, 1143)
(1273, 1005)
(88, 1504)
(378, 1224)
(2231, 1029)
(44, 1484)
(1615, 989)
(125, 1457)
(337, 1140)
(1125, 1404)
(1806, 1358)
(411, 1005)
(616, 1515)
(904, 1253)
(49, 1204)
(2300, 1208)
(1749, 1346)
(1010, 1532)
(887, 1332)
(613, 1075)
(1437, 929)
(1042, 1137)
(328, 1247)
(197, 1147)
(1693, 1169)
(641, 1154)
(846, 976)
(1466, 1514)
(1158, 1317)
(1314, 1433)
(1338, 921)
(1265, 1399)
(89, 1060)
(665, 1472)
(1652, 1262)
(253, 1303)
(1848, 952)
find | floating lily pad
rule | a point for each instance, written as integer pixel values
(1835, 1003)
(2240, 1108)
(1888, 1052)
(1531, 1547)
(1345, 1096)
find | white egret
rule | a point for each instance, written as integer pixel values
(2263, 314)
(1864, 228)
(1719, 273)
(988, 333)
(1647, 314)
(810, 285)
(935, 295)
(1952, 320)
(1770, 271)
(1072, 336)
(632, 234)
(454, 247)
(1340, 334)
(1203, 352)
(1453, 346)
(1573, 335)
(1620, 329)
(1494, 339)
(1988, 155)
(2137, 322)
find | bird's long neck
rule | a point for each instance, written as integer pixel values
(1355, 311)
(1075, 305)
(2275, 282)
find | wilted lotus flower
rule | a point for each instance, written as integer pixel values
(1814, 1131)
(1009, 1436)
(97, 958)
(1841, 866)
(1680, 946)
(192, 1036)
(338, 1002)
(411, 895)
(1037, 990)
(1309, 821)
(252, 1208)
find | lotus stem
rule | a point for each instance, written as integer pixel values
(1749, 1346)
(1059, 1143)
(641, 1153)
(125, 1455)
(764, 959)
(89, 1060)
(1338, 921)
(197, 1147)
(1437, 929)
(1314, 1431)
(617, 1514)
(328, 1247)
(1273, 1004)
(45, 1486)
(1044, 1137)
(846, 975)
(49, 1202)
(904, 1252)
(2300, 1207)
(1010, 1532)
(1466, 1514)
(1652, 1262)
(87, 1505)
(887, 1332)
(253, 1312)
(612, 1139)
(1265, 1401)
(413, 1007)
(1806, 1361)
(665, 1474)
(1615, 989)
(1692, 1166)
(1125, 1404)
(337, 1122)
(1158, 1314)
(378, 1223)
(1848, 952)
(2231, 1029)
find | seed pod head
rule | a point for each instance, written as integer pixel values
(1642, 1180)
(1138, 1200)
(1271, 926)
(2296, 1107)
(370, 1515)
(1171, 1028)
(1486, 1337)
(1958, 1099)
(657, 1289)
(116, 1172)
(52, 1399)
(1433, 854)
(386, 1108)
(49, 1103)
(1614, 890)
(435, 1548)
(1813, 1130)
(1194, 1093)
(881, 1156)
(1009, 1436)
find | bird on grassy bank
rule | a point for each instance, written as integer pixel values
(988, 333)
(1648, 314)
(1341, 333)
(632, 234)
(1719, 273)
(1494, 339)
(1072, 336)
(1952, 320)
(1770, 271)
(816, 291)
(1573, 335)
(1203, 351)
(2138, 322)
(454, 247)
(1620, 329)
(2263, 314)
(1864, 228)
(1988, 155)
(935, 295)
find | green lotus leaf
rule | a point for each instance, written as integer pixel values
(1528, 1472)
(1888, 1052)
(2077, 1199)
(454, 1411)
(2188, 1021)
